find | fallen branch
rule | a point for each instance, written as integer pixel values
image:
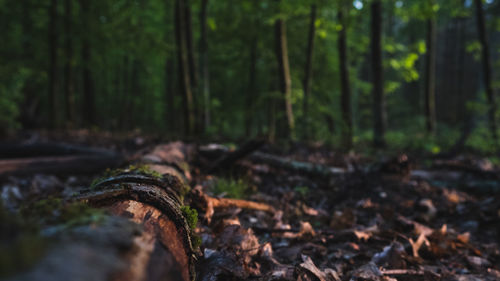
(297, 166)
(226, 161)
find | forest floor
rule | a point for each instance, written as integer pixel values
(351, 217)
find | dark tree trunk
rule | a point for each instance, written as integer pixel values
(189, 44)
(251, 94)
(169, 95)
(183, 62)
(308, 68)
(52, 63)
(204, 84)
(285, 81)
(486, 62)
(88, 83)
(193, 73)
(379, 114)
(430, 77)
(69, 92)
(345, 97)
(31, 100)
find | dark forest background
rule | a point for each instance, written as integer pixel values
(413, 74)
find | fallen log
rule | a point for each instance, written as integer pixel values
(78, 164)
(44, 149)
(145, 234)
(297, 166)
(55, 158)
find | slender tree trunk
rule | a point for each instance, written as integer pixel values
(183, 62)
(487, 72)
(308, 68)
(52, 63)
(285, 80)
(204, 84)
(193, 73)
(169, 96)
(345, 97)
(69, 92)
(88, 83)
(379, 114)
(430, 77)
(251, 94)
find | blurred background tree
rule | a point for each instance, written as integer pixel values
(304, 70)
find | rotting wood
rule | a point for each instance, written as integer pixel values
(148, 196)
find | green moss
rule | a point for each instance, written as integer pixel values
(195, 241)
(191, 216)
(53, 211)
(144, 170)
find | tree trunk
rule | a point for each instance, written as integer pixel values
(170, 111)
(486, 63)
(308, 68)
(379, 114)
(204, 84)
(193, 73)
(88, 83)
(345, 97)
(286, 131)
(183, 62)
(52, 63)
(69, 92)
(251, 94)
(430, 77)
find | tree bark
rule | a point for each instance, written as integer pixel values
(251, 93)
(170, 111)
(430, 77)
(379, 114)
(52, 71)
(144, 235)
(308, 68)
(286, 131)
(69, 92)
(345, 97)
(204, 84)
(88, 83)
(183, 62)
(486, 64)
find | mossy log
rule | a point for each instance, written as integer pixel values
(146, 234)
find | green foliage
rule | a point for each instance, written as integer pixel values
(231, 188)
(134, 68)
(302, 190)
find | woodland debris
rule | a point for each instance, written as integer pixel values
(162, 248)
(209, 204)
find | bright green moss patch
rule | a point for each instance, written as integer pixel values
(191, 216)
